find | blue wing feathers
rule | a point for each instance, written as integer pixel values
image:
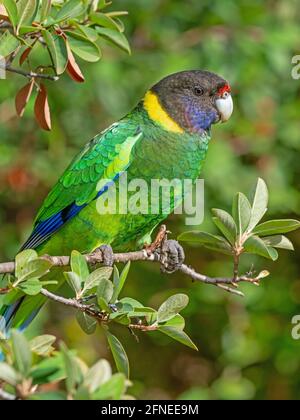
(44, 229)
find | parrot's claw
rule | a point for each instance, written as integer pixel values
(107, 255)
(172, 256)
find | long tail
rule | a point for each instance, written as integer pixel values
(20, 313)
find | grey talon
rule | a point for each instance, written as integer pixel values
(107, 255)
(172, 256)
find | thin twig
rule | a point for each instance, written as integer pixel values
(6, 396)
(29, 74)
(215, 281)
(75, 304)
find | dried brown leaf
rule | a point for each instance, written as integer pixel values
(24, 55)
(23, 97)
(41, 109)
(72, 67)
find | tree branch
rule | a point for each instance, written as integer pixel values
(29, 74)
(142, 255)
(75, 304)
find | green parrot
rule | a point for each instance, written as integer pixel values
(166, 136)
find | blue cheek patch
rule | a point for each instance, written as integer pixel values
(200, 120)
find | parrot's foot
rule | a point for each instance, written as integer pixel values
(107, 255)
(172, 256)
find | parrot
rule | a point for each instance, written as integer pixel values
(165, 136)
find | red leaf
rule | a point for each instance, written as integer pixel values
(72, 67)
(41, 109)
(24, 55)
(23, 97)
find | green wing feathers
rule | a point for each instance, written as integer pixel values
(102, 158)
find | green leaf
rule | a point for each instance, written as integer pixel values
(31, 286)
(42, 345)
(177, 322)
(105, 290)
(95, 277)
(225, 223)
(119, 354)
(12, 11)
(79, 265)
(145, 310)
(28, 28)
(259, 203)
(45, 9)
(88, 32)
(74, 282)
(113, 389)
(22, 353)
(83, 47)
(241, 210)
(120, 25)
(33, 268)
(87, 323)
(22, 259)
(142, 312)
(49, 370)
(57, 49)
(102, 4)
(273, 227)
(214, 242)
(47, 282)
(172, 306)
(116, 276)
(69, 10)
(115, 37)
(120, 317)
(97, 375)
(104, 20)
(8, 374)
(8, 44)
(26, 11)
(130, 301)
(178, 335)
(255, 245)
(273, 253)
(119, 282)
(103, 305)
(73, 371)
(82, 394)
(49, 396)
(279, 241)
(117, 13)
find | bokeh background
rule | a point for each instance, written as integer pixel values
(245, 346)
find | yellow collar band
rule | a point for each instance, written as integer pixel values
(158, 114)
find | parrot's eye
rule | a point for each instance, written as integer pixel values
(225, 95)
(198, 91)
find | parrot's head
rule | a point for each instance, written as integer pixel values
(189, 101)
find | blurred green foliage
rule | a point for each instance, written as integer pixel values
(245, 346)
